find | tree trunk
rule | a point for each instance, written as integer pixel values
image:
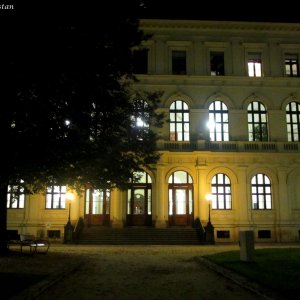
(3, 218)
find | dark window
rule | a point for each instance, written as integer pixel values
(217, 63)
(140, 61)
(264, 234)
(291, 65)
(223, 234)
(53, 234)
(178, 62)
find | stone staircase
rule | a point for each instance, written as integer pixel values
(100, 235)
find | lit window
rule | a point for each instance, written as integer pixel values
(56, 197)
(257, 122)
(179, 121)
(261, 192)
(254, 65)
(291, 65)
(293, 121)
(16, 196)
(221, 192)
(218, 122)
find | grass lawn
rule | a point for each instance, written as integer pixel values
(275, 268)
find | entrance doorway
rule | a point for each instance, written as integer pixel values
(139, 201)
(181, 199)
(97, 206)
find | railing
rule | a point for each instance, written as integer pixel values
(232, 146)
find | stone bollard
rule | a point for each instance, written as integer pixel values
(247, 245)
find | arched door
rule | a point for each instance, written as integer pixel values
(139, 201)
(181, 199)
(97, 206)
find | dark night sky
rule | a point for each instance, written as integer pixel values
(254, 10)
(222, 10)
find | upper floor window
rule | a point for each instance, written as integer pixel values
(15, 196)
(141, 116)
(56, 197)
(221, 192)
(257, 122)
(140, 61)
(261, 192)
(291, 65)
(178, 62)
(217, 63)
(293, 121)
(179, 121)
(218, 122)
(254, 65)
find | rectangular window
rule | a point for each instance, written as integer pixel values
(264, 234)
(217, 64)
(291, 65)
(56, 197)
(15, 196)
(178, 62)
(223, 234)
(140, 61)
(254, 65)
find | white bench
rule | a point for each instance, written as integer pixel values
(30, 242)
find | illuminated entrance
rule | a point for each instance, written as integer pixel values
(180, 199)
(97, 206)
(139, 201)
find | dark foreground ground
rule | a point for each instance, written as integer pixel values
(124, 272)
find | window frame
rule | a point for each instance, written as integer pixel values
(221, 198)
(216, 124)
(256, 122)
(51, 193)
(259, 198)
(15, 198)
(292, 126)
(180, 111)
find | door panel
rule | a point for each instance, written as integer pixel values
(97, 207)
(139, 206)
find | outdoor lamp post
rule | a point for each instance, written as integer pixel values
(68, 236)
(208, 198)
(69, 198)
(209, 228)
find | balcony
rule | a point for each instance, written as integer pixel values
(234, 146)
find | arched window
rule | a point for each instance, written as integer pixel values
(221, 192)
(179, 121)
(293, 121)
(218, 122)
(261, 192)
(257, 122)
(141, 117)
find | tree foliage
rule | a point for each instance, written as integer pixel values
(70, 106)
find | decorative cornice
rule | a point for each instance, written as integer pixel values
(221, 26)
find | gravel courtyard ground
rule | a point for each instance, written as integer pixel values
(119, 273)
